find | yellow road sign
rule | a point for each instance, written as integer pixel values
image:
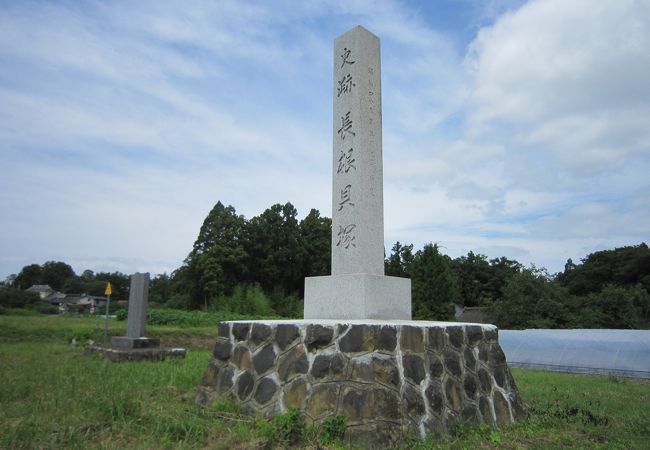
(109, 289)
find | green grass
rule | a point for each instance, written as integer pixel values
(52, 396)
(568, 411)
(39, 328)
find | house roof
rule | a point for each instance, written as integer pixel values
(39, 288)
(54, 297)
(474, 314)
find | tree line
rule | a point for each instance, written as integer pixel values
(258, 266)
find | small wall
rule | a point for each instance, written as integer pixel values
(387, 378)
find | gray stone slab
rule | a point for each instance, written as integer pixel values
(138, 300)
(129, 342)
(357, 296)
(136, 354)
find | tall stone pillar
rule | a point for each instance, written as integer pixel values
(357, 288)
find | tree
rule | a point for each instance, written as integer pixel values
(10, 280)
(28, 276)
(120, 284)
(433, 285)
(398, 264)
(74, 285)
(160, 289)
(615, 306)
(501, 269)
(88, 274)
(315, 245)
(273, 248)
(532, 300)
(474, 275)
(624, 267)
(55, 274)
(217, 260)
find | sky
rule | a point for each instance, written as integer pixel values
(510, 128)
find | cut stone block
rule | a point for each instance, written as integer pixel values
(357, 296)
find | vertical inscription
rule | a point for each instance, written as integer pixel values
(357, 197)
(346, 162)
(372, 108)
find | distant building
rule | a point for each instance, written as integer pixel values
(54, 298)
(472, 314)
(43, 290)
(74, 301)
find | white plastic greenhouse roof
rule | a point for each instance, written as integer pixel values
(623, 353)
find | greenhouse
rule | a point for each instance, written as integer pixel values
(624, 353)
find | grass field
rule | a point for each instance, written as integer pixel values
(52, 396)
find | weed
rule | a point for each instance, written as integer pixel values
(284, 429)
(332, 429)
(495, 437)
(224, 405)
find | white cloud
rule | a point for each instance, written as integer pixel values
(567, 80)
(138, 117)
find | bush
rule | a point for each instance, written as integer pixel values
(16, 298)
(121, 314)
(177, 301)
(182, 318)
(44, 308)
(245, 299)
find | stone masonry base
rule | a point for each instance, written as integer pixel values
(389, 378)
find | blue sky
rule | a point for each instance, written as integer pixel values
(511, 128)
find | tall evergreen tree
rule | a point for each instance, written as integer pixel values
(473, 273)
(398, 263)
(315, 244)
(217, 260)
(433, 283)
(273, 247)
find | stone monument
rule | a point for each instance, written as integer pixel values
(357, 288)
(135, 345)
(357, 352)
(137, 316)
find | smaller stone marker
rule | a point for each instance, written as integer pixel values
(135, 345)
(137, 318)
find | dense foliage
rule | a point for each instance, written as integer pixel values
(258, 267)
